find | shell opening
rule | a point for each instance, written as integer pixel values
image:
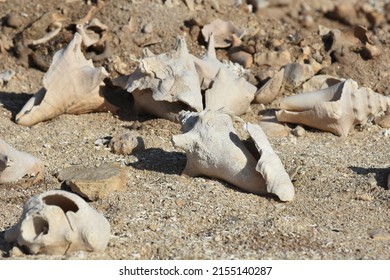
(61, 201)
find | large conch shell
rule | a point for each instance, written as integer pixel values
(16, 165)
(71, 86)
(168, 77)
(337, 109)
(59, 222)
(214, 149)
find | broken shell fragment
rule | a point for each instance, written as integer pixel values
(72, 85)
(214, 149)
(171, 77)
(59, 222)
(337, 109)
(16, 165)
(222, 30)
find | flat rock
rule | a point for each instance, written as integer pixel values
(94, 182)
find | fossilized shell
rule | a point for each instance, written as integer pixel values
(337, 109)
(59, 222)
(16, 165)
(171, 77)
(213, 149)
(230, 92)
(222, 30)
(72, 85)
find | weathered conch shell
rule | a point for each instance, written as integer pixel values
(71, 86)
(16, 165)
(213, 149)
(337, 109)
(168, 77)
(59, 222)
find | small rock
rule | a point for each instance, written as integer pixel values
(126, 143)
(94, 183)
(379, 234)
(296, 74)
(15, 252)
(148, 28)
(179, 202)
(372, 182)
(153, 227)
(365, 197)
(6, 76)
(14, 21)
(298, 131)
(271, 89)
(273, 58)
(218, 238)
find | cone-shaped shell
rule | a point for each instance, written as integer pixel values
(337, 109)
(59, 222)
(171, 76)
(70, 86)
(213, 149)
(16, 165)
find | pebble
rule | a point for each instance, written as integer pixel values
(14, 20)
(372, 182)
(126, 143)
(153, 227)
(298, 131)
(148, 28)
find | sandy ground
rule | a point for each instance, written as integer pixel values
(341, 183)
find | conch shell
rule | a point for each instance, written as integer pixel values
(214, 149)
(72, 85)
(16, 165)
(59, 222)
(337, 109)
(168, 77)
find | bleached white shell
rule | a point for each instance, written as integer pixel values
(337, 109)
(72, 85)
(222, 30)
(15, 165)
(59, 222)
(214, 149)
(170, 76)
